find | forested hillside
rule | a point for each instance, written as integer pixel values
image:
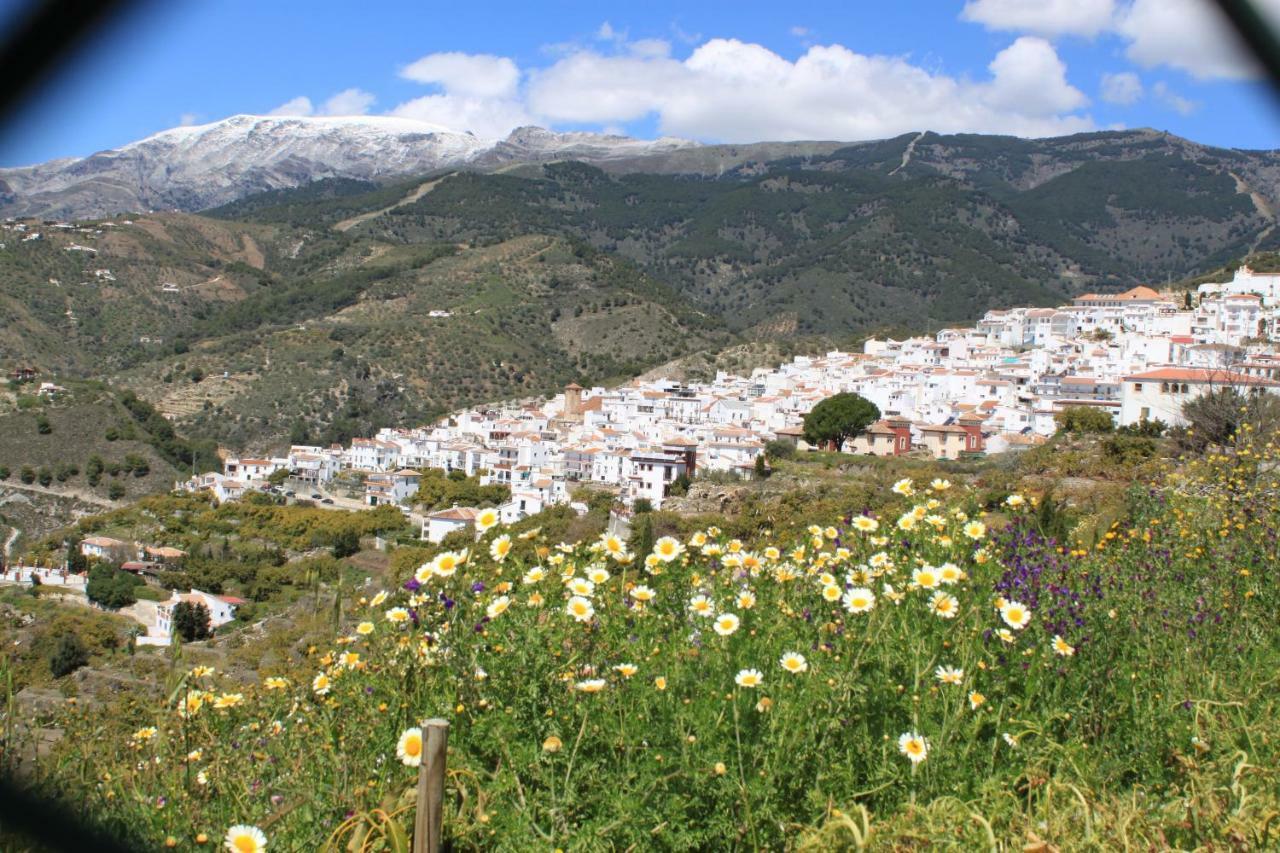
(326, 311)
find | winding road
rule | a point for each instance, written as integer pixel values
(70, 494)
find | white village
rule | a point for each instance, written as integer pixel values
(992, 388)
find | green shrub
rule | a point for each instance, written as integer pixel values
(68, 656)
(111, 587)
(1084, 419)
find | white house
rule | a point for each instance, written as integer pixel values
(437, 525)
(395, 488)
(105, 548)
(1160, 394)
(222, 609)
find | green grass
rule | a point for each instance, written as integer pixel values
(1086, 737)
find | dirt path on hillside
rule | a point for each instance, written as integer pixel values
(70, 494)
(1261, 205)
(418, 192)
(8, 543)
(906, 154)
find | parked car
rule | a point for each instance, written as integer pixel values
(315, 496)
(326, 500)
(291, 494)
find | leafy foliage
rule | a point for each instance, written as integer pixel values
(111, 587)
(839, 418)
(191, 621)
(1084, 419)
(68, 656)
(439, 489)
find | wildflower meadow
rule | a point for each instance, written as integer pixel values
(935, 671)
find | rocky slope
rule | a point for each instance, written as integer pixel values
(192, 168)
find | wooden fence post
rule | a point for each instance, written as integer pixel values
(428, 821)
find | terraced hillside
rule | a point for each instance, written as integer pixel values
(517, 318)
(924, 228)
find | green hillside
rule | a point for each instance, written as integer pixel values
(861, 236)
(307, 313)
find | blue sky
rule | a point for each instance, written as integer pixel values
(716, 71)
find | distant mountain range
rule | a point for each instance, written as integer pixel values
(193, 168)
(349, 273)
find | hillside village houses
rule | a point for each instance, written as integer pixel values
(960, 392)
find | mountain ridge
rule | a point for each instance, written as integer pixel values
(197, 167)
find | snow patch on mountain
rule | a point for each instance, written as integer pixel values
(202, 166)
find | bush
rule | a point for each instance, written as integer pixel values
(780, 449)
(44, 476)
(93, 470)
(345, 543)
(4, 472)
(137, 464)
(116, 491)
(761, 467)
(69, 655)
(110, 587)
(1217, 417)
(1126, 449)
(1076, 420)
(43, 426)
(27, 474)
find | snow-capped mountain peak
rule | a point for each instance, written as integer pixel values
(200, 166)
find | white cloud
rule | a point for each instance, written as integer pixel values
(299, 106)
(800, 32)
(488, 118)
(1190, 35)
(1122, 88)
(188, 119)
(1028, 76)
(1043, 17)
(348, 102)
(1172, 100)
(728, 90)
(476, 75)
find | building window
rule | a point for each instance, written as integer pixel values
(1137, 387)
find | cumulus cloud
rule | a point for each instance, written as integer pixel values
(488, 118)
(299, 106)
(729, 90)
(1122, 88)
(1044, 17)
(477, 75)
(1190, 35)
(348, 102)
(1172, 100)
